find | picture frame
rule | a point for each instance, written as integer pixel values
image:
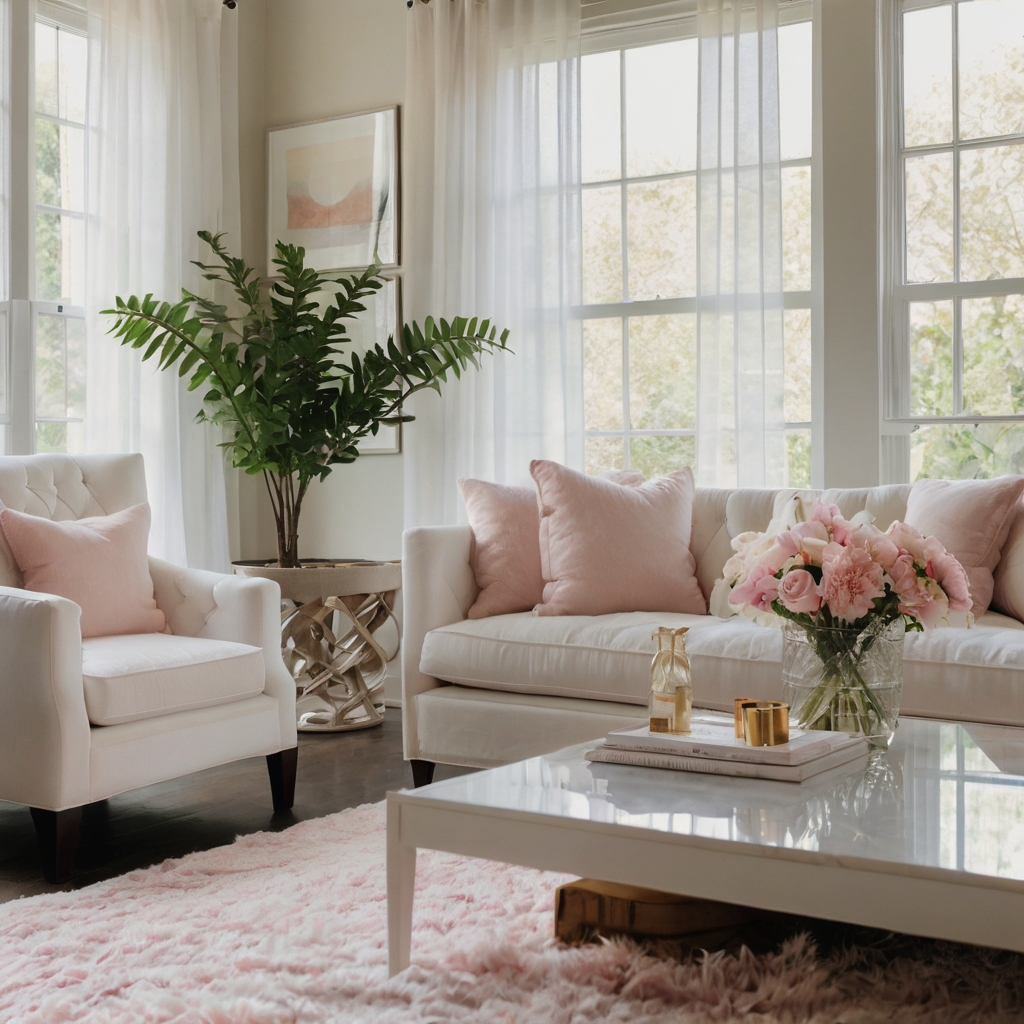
(381, 319)
(333, 188)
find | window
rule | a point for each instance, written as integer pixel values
(639, 168)
(957, 360)
(58, 326)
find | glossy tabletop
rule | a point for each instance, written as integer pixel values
(944, 796)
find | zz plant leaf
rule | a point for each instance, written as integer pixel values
(280, 376)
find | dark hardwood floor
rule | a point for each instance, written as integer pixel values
(146, 826)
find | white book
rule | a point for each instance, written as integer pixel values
(858, 750)
(715, 738)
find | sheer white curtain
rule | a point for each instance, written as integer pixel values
(740, 419)
(163, 163)
(492, 190)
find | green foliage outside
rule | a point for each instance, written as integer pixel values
(292, 401)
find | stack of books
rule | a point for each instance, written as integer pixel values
(713, 748)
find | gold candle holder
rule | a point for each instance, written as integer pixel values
(762, 723)
(738, 703)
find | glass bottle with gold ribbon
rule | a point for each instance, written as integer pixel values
(671, 696)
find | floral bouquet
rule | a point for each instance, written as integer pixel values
(846, 589)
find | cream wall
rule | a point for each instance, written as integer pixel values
(302, 60)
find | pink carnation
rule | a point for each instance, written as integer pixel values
(799, 593)
(880, 546)
(851, 580)
(759, 589)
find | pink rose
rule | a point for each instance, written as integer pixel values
(759, 589)
(925, 601)
(785, 547)
(799, 593)
(903, 575)
(951, 576)
(824, 514)
(851, 580)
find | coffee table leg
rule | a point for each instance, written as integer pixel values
(401, 885)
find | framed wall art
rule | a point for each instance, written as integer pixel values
(333, 189)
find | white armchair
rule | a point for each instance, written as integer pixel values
(81, 721)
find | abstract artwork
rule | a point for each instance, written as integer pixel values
(333, 189)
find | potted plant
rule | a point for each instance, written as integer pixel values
(294, 403)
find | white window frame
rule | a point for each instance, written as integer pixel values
(897, 422)
(22, 309)
(664, 29)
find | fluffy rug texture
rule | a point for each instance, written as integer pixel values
(291, 927)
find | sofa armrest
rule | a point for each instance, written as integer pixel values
(438, 588)
(44, 727)
(242, 609)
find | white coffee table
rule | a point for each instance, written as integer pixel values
(928, 839)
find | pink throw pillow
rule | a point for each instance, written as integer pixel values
(506, 547)
(100, 563)
(971, 519)
(606, 548)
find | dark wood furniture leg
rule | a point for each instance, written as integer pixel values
(422, 772)
(57, 832)
(281, 767)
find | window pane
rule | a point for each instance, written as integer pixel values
(76, 366)
(661, 108)
(60, 437)
(992, 213)
(602, 374)
(73, 51)
(798, 458)
(991, 41)
(928, 76)
(929, 184)
(600, 138)
(662, 239)
(795, 90)
(604, 453)
(993, 332)
(798, 366)
(796, 228)
(655, 456)
(60, 166)
(60, 258)
(931, 358)
(602, 245)
(663, 372)
(956, 452)
(50, 367)
(46, 70)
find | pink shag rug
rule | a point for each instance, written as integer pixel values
(291, 927)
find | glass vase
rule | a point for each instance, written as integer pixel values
(671, 694)
(846, 680)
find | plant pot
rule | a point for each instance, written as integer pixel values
(844, 679)
(333, 619)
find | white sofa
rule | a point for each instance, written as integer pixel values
(84, 720)
(483, 692)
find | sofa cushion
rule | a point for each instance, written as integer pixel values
(601, 657)
(127, 678)
(965, 674)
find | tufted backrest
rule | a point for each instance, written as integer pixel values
(719, 514)
(62, 487)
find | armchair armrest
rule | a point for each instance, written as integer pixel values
(242, 609)
(44, 727)
(438, 588)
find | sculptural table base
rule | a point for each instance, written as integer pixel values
(337, 664)
(331, 639)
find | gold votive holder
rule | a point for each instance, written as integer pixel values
(738, 703)
(765, 723)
